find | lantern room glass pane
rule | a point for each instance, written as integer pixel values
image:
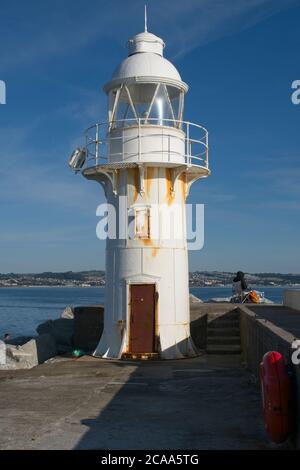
(142, 93)
(175, 96)
(153, 104)
(124, 114)
(161, 112)
(142, 96)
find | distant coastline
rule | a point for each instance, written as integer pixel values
(54, 286)
(227, 286)
(87, 279)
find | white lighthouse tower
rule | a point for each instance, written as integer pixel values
(146, 157)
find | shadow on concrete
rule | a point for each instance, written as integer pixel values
(206, 402)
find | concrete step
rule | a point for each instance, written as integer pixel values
(233, 315)
(223, 349)
(223, 332)
(224, 324)
(223, 340)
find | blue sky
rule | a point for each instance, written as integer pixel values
(239, 58)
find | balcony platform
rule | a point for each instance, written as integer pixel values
(93, 171)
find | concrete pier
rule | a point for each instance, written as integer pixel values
(209, 402)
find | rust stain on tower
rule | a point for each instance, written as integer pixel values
(149, 180)
(183, 185)
(169, 188)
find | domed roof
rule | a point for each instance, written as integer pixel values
(146, 64)
(145, 61)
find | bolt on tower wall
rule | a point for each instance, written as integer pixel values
(146, 158)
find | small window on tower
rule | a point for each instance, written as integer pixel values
(142, 222)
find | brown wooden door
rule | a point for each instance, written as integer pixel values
(142, 318)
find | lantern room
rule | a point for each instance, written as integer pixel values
(145, 87)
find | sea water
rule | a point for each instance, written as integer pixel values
(23, 309)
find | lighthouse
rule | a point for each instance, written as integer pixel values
(146, 157)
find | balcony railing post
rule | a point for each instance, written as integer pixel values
(206, 155)
(86, 149)
(97, 144)
(188, 149)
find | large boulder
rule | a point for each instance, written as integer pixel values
(68, 313)
(20, 340)
(11, 363)
(195, 300)
(34, 352)
(2, 353)
(62, 330)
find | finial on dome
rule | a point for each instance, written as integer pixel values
(145, 41)
(146, 26)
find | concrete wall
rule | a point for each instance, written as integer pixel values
(88, 326)
(259, 336)
(291, 298)
(198, 326)
(213, 310)
(88, 322)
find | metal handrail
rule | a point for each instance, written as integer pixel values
(99, 135)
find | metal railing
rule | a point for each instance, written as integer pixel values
(99, 140)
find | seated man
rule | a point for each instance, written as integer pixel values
(239, 285)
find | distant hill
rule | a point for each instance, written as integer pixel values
(68, 278)
(97, 278)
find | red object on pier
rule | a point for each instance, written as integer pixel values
(276, 396)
